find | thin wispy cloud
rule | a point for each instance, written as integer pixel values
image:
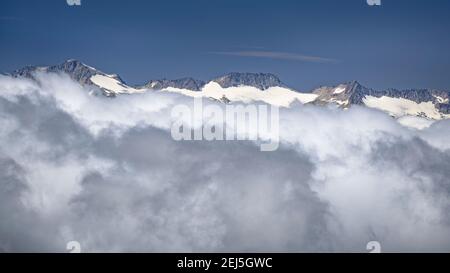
(277, 55)
(249, 47)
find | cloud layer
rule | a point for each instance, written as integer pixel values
(106, 172)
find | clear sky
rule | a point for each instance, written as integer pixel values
(401, 44)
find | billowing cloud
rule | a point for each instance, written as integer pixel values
(106, 173)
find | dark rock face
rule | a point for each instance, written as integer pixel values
(416, 95)
(75, 69)
(443, 108)
(225, 100)
(351, 93)
(357, 93)
(184, 83)
(261, 81)
(26, 72)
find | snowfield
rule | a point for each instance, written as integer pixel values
(113, 85)
(278, 96)
(398, 107)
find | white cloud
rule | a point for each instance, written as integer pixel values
(105, 172)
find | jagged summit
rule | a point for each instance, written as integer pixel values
(261, 81)
(109, 84)
(74, 68)
(183, 83)
(77, 70)
(343, 94)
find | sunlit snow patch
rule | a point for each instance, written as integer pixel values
(278, 96)
(111, 84)
(399, 107)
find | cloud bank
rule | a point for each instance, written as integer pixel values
(106, 173)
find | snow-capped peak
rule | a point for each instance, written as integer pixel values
(248, 87)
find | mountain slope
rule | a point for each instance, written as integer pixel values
(428, 104)
(235, 87)
(260, 81)
(110, 84)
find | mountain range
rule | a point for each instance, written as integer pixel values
(247, 87)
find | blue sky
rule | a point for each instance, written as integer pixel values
(401, 44)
